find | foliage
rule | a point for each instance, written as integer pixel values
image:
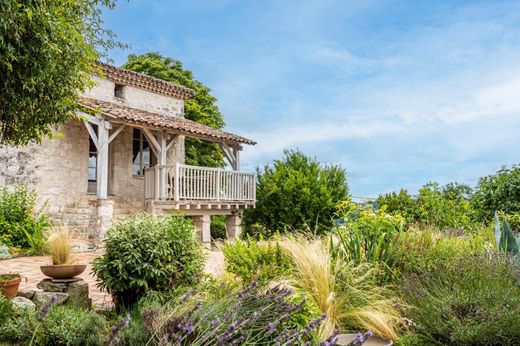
(365, 235)
(421, 250)
(6, 309)
(504, 237)
(60, 247)
(64, 325)
(4, 252)
(135, 334)
(201, 108)
(474, 302)
(22, 225)
(47, 50)
(9, 276)
(224, 315)
(444, 207)
(148, 253)
(346, 292)
(296, 193)
(218, 227)
(498, 192)
(256, 260)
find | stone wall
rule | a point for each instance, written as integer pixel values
(58, 168)
(136, 98)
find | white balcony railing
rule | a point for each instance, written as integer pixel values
(182, 183)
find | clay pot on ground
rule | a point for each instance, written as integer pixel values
(63, 271)
(346, 339)
(9, 284)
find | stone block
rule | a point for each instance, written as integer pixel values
(76, 290)
(43, 298)
(25, 293)
(23, 303)
(48, 285)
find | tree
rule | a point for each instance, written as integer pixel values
(296, 193)
(47, 51)
(498, 192)
(201, 108)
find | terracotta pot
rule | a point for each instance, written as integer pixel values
(8, 288)
(63, 271)
(345, 339)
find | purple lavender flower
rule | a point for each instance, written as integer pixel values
(164, 340)
(116, 330)
(46, 309)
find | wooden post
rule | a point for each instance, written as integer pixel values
(163, 151)
(102, 159)
(177, 180)
(236, 154)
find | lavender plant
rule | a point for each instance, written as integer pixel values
(251, 316)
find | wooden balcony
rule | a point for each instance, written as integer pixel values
(192, 187)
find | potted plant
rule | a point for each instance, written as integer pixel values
(9, 284)
(63, 265)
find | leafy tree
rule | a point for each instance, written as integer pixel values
(296, 193)
(47, 50)
(445, 207)
(201, 108)
(498, 192)
(457, 191)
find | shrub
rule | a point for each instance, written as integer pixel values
(225, 315)
(444, 207)
(148, 253)
(64, 325)
(474, 302)
(6, 309)
(346, 292)
(218, 227)
(251, 259)
(22, 225)
(366, 235)
(421, 250)
(498, 192)
(296, 193)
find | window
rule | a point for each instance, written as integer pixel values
(142, 155)
(92, 158)
(118, 91)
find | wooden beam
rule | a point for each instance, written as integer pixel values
(151, 138)
(229, 154)
(116, 132)
(102, 160)
(92, 134)
(236, 153)
(163, 149)
(172, 142)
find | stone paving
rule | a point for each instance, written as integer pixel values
(29, 268)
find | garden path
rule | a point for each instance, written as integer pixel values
(29, 267)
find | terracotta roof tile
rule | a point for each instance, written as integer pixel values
(140, 80)
(173, 123)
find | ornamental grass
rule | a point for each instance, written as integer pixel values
(346, 292)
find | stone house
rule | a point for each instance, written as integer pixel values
(126, 156)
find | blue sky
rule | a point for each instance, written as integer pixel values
(398, 92)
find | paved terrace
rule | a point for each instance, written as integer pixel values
(29, 267)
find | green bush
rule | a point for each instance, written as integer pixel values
(148, 253)
(474, 302)
(22, 225)
(498, 192)
(446, 208)
(250, 259)
(6, 309)
(365, 235)
(64, 325)
(296, 193)
(421, 250)
(218, 227)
